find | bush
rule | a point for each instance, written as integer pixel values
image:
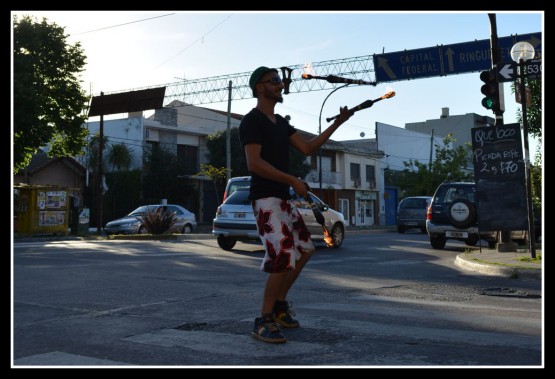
(158, 221)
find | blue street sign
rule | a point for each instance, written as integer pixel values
(446, 59)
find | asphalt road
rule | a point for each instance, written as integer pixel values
(381, 300)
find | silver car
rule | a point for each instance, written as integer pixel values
(130, 224)
(411, 213)
(235, 220)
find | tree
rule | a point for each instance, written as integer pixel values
(420, 179)
(217, 151)
(48, 101)
(534, 120)
(161, 179)
(119, 156)
(217, 174)
(534, 111)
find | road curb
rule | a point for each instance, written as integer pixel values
(497, 270)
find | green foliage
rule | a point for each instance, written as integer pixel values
(157, 221)
(162, 178)
(536, 181)
(534, 122)
(118, 156)
(217, 151)
(92, 152)
(217, 174)
(420, 179)
(123, 195)
(48, 102)
(534, 111)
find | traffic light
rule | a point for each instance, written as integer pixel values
(490, 89)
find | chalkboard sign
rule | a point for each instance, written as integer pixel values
(500, 178)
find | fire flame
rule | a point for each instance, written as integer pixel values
(308, 71)
(388, 95)
(327, 237)
(390, 92)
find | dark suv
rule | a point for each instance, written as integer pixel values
(452, 215)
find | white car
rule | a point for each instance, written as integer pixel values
(235, 219)
(130, 224)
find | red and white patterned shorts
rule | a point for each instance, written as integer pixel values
(283, 233)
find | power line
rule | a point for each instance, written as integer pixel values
(127, 23)
(192, 43)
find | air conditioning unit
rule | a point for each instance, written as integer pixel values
(356, 183)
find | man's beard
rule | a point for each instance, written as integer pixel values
(277, 98)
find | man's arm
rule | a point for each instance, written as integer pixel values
(309, 147)
(261, 167)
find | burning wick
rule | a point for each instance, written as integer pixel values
(327, 237)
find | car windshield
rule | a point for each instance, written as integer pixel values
(414, 203)
(239, 197)
(141, 210)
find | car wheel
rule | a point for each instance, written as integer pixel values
(438, 242)
(226, 243)
(337, 235)
(400, 229)
(187, 228)
(462, 213)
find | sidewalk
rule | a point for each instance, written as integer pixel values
(508, 264)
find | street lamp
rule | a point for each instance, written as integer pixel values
(520, 53)
(320, 132)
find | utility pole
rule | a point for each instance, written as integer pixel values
(99, 185)
(228, 135)
(431, 148)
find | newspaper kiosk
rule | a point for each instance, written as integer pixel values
(41, 209)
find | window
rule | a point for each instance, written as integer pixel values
(370, 173)
(355, 171)
(187, 159)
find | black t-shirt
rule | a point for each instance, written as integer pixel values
(257, 128)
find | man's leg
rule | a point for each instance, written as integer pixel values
(265, 327)
(291, 276)
(274, 286)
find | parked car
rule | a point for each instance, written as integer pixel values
(235, 219)
(452, 215)
(234, 183)
(130, 224)
(411, 213)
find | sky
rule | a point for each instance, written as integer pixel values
(128, 50)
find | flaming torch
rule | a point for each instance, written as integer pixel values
(308, 74)
(320, 220)
(365, 104)
(338, 79)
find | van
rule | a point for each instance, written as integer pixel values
(411, 213)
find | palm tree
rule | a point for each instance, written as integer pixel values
(119, 157)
